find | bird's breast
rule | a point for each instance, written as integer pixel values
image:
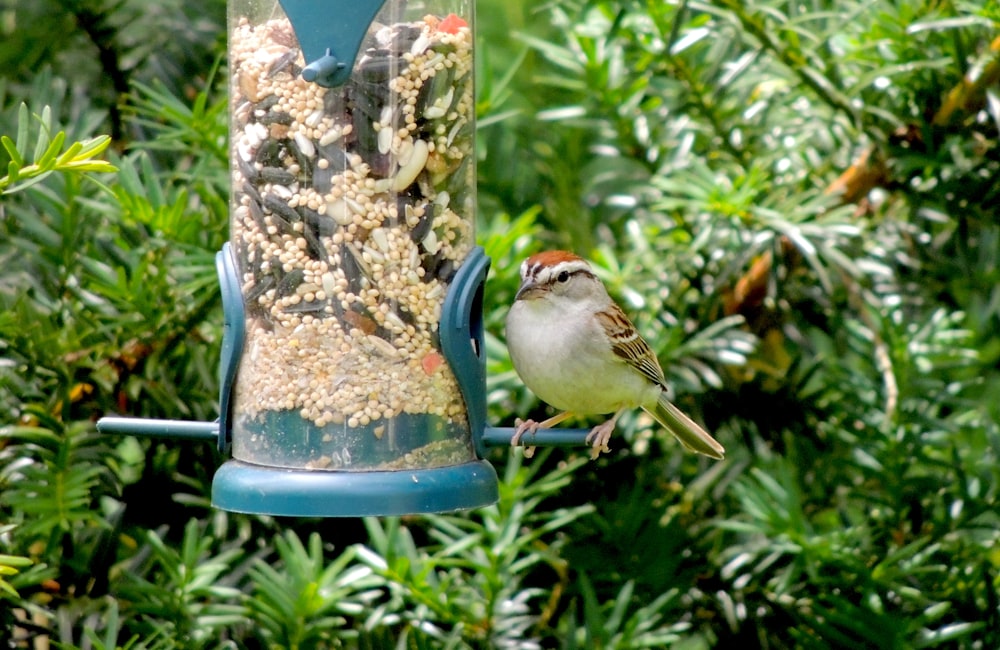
(571, 368)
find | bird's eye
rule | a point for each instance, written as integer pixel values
(563, 277)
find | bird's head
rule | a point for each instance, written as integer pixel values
(558, 275)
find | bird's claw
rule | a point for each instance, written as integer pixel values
(598, 439)
(524, 426)
(597, 450)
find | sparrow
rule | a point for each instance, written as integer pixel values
(575, 348)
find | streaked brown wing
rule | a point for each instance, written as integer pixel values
(628, 345)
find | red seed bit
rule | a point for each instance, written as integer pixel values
(431, 362)
(451, 24)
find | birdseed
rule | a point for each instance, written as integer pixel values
(352, 209)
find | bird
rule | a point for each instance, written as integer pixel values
(575, 348)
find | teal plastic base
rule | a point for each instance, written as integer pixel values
(255, 489)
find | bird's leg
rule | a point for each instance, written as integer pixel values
(599, 435)
(526, 426)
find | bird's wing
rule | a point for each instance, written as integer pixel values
(628, 345)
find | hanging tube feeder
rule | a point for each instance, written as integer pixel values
(353, 364)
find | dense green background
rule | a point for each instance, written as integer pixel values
(797, 202)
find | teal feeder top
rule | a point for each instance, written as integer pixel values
(330, 34)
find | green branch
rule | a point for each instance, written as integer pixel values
(9, 566)
(48, 155)
(793, 57)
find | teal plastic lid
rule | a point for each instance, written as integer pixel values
(330, 33)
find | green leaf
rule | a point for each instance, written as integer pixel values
(48, 158)
(11, 148)
(70, 153)
(36, 178)
(13, 173)
(97, 166)
(23, 119)
(93, 146)
(44, 135)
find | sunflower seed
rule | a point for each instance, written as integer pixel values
(304, 144)
(277, 117)
(339, 212)
(409, 172)
(286, 286)
(279, 207)
(382, 346)
(276, 175)
(249, 172)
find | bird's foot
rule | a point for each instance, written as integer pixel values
(598, 438)
(523, 427)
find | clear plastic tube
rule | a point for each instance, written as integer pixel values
(352, 208)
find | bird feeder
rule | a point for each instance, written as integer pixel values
(352, 213)
(353, 370)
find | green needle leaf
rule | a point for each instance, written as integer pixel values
(48, 157)
(22, 128)
(12, 151)
(70, 154)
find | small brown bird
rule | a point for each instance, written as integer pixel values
(576, 350)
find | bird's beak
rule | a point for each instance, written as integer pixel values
(528, 290)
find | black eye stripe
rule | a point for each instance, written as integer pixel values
(542, 273)
(567, 274)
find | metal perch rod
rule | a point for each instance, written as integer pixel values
(500, 437)
(209, 431)
(178, 429)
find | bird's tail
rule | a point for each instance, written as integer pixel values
(685, 429)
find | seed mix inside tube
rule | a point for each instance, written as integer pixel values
(352, 210)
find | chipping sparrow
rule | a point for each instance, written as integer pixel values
(576, 350)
